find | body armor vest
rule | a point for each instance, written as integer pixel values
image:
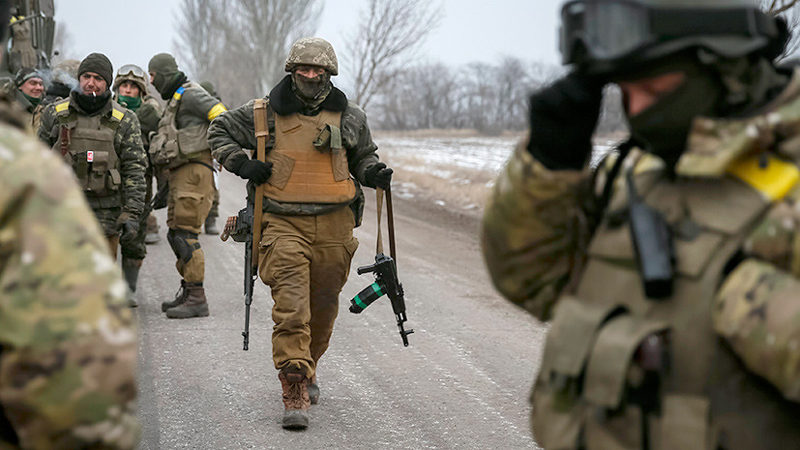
(309, 162)
(590, 393)
(173, 147)
(87, 144)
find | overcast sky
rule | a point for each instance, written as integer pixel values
(471, 30)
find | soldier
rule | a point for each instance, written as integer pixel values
(30, 88)
(317, 140)
(67, 366)
(63, 80)
(101, 141)
(181, 147)
(130, 87)
(669, 271)
(211, 221)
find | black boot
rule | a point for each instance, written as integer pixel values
(130, 269)
(180, 297)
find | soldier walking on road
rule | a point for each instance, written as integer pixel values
(318, 150)
(181, 146)
(101, 141)
(130, 87)
(669, 271)
(68, 360)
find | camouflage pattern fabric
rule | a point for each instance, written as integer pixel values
(312, 51)
(149, 114)
(234, 131)
(67, 367)
(130, 151)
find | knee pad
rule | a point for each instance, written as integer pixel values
(179, 242)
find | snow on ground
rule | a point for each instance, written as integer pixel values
(451, 170)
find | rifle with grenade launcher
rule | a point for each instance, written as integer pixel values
(385, 270)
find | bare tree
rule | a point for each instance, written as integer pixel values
(240, 45)
(389, 31)
(788, 9)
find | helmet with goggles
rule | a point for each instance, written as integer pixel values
(607, 36)
(132, 73)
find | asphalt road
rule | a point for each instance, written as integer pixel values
(462, 383)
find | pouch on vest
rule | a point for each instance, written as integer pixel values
(163, 150)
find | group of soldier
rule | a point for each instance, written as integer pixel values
(669, 269)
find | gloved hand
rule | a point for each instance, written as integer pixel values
(378, 176)
(255, 170)
(129, 229)
(562, 119)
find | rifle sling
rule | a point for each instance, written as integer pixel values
(379, 193)
(262, 133)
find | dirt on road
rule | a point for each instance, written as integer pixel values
(462, 383)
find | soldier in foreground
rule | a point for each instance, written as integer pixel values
(670, 271)
(130, 87)
(102, 142)
(181, 147)
(318, 151)
(67, 366)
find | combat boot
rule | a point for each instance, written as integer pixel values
(313, 390)
(195, 304)
(211, 225)
(295, 398)
(130, 269)
(180, 297)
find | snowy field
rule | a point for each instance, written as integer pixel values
(452, 169)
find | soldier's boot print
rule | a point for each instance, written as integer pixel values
(295, 398)
(313, 390)
(211, 225)
(195, 304)
(180, 297)
(130, 269)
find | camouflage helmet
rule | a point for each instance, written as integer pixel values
(132, 73)
(312, 51)
(604, 36)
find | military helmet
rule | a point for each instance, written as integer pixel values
(603, 36)
(312, 51)
(132, 73)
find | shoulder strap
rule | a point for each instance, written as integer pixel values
(262, 133)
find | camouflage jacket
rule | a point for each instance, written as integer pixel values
(68, 340)
(127, 144)
(553, 248)
(234, 131)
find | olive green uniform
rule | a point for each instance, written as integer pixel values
(732, 321)
(112, 175)
(306, 247)
(182, 148)
(68, 360)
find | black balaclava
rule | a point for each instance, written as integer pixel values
(311, 91)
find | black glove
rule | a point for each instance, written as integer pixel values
(562, 119)
(130, 228)
(255, 170)
(378, 176)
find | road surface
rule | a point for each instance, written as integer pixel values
(462, 383)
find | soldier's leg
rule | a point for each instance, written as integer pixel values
(211, 220)
(113, 244)
(188, 204)
(284, 265)
(108, 222)
(332, 253)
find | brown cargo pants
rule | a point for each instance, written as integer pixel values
(305, 260)
(191, 191)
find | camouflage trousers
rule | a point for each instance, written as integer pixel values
(191, 190)
(137, 249)
(108, 222)
(305, 260)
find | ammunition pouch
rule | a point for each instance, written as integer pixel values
(179, 242)
(584, 396)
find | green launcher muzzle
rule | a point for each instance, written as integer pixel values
(366, 297)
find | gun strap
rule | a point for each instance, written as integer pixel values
(262, 133)
(389, 222)
(379, 244)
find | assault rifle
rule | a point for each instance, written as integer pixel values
(159, 199)
(385, 270)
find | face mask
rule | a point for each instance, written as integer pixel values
(92, 103)
(132, 103)
(664, 127)
(312, 90)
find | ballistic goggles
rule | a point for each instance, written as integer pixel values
(607, 30)
(129, 69)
